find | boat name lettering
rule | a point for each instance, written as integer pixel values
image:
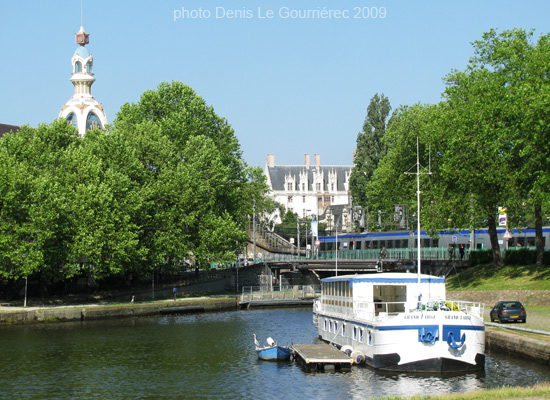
(419, 316)
(458, 317)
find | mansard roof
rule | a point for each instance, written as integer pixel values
(277, 175)
(5, 128)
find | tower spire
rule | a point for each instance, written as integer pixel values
(82, 110)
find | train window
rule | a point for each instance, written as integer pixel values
(521, 241)
(531, 241)
(375, 244)
(358, 245)
(389, 244)
(435, 242)
(345, 245)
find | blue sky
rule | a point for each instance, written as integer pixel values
(288, 85)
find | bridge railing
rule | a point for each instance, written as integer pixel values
(280, 292)
(432, 253)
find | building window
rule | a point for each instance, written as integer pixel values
(361, 335)
(77, 67)
(290, 199)
(289, 186)
(332, 187)
(354, 333)
(71, 119)
(343, 329)
(331, 199)
(89, 67)
(303, 187)
(318, 185)
(303, 199)
(92, 122)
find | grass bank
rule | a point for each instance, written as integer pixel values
(488, 284)
(539, 391)
(511, 277)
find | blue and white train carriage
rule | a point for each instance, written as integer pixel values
(404, 239)
(379, 319)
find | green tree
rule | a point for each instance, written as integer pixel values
(499, 118)
(102, 206)
(33, 225)
(371, 148)
(389, 184)
(210, 187)
(289, 223)
(522, 66)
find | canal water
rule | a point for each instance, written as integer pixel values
(205, 356)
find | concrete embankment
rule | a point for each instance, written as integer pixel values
(490, 297)
(90, 312)
(528, 348)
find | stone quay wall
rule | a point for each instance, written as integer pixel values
(490, 297)
(91, 312)
(524, 347)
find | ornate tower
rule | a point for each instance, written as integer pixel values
(82, 110)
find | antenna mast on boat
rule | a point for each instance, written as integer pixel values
(418, 173)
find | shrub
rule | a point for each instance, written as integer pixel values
(522, 256)
(477, 257)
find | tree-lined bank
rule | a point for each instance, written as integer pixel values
(163, 188)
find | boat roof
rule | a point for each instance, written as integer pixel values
(387, 277)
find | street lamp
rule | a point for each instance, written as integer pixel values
(306, 235)
(254, 228)
(298, 235)
(336, 228)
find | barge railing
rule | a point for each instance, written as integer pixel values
(369, 310)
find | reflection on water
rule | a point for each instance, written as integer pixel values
(205, 356)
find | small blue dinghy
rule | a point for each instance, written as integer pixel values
(272, 352)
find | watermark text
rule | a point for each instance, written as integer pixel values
(287, 13)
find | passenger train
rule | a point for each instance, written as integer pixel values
(478, 239)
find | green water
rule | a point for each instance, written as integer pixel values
(202, 356)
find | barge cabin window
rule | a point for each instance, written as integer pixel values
(393, 297)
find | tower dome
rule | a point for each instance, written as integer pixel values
(82, 110)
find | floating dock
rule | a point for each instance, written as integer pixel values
(321, 357)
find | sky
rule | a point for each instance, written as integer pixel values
(291, 77)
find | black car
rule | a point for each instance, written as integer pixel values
(508, 311)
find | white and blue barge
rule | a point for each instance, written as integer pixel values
(401, 321)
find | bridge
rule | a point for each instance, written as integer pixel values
(280, 255)
(330, 266)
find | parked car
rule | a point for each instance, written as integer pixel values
(508, 311)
